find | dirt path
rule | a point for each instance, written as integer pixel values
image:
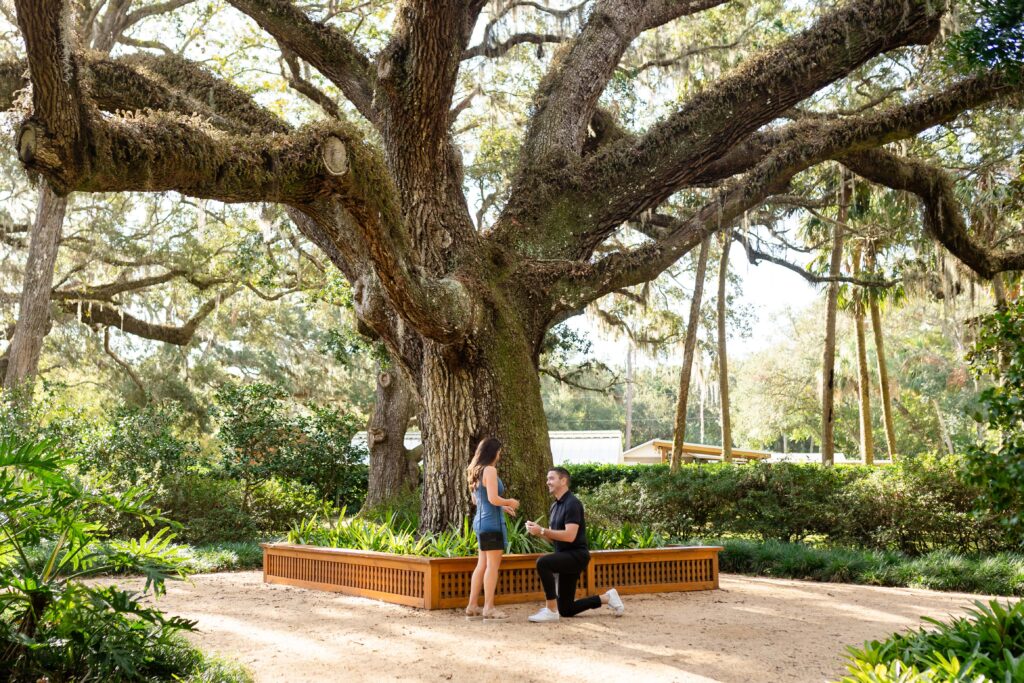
(751, 630)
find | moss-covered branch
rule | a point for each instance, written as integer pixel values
(803, 145)
(569, 92)
(107, 315)
(641, 175)
(943, 214)
(326, 48)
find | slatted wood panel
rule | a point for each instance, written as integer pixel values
(655, 573)
(382, 576)
(440, 583)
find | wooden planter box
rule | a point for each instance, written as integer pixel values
(443, 583)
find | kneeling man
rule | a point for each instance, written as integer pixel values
(568, 532)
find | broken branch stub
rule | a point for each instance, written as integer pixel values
(335, 156)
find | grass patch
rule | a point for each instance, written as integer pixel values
(191, 665)
(999, 574)
(223, 557)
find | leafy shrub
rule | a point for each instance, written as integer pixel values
(211, 509)
(987, 645)
(997, 467)
(139, 446)
(589, 476)
(53, 626)
(393, 535)
(264, 438)
(915, 506)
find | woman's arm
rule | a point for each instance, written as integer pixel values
(491, 485)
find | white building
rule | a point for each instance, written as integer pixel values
(603, 447)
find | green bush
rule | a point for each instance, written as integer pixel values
(53, 626)
(998, 574)
(588, 477)
(394, 535)
(987, 645)
(263, 437)
(138, 446)
(211, 509)
(997, 466)
(914, 506)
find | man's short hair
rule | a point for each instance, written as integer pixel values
(563, 473)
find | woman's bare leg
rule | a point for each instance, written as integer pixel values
(491, 577)
(476, 583)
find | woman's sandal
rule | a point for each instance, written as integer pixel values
(495, 615)
(474, 614)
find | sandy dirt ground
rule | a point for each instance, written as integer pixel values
(752, 629)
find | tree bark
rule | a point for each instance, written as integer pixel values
(679, 432)
(394, 469)
(723, 358)
(867, 444)
(629, 395)
(828, 363)
(471, 394)
(883, 364)
(943, 432)
(34, 304)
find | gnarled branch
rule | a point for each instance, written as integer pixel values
(943, 215)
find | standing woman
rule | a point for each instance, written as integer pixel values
(489, 524)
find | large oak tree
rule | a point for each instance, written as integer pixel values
(464, 309)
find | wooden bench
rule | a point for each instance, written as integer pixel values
(443, 583)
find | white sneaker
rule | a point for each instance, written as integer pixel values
(544, 615)
(615, 602)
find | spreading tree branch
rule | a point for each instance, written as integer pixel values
(326, 48)
(640, 175)
(943, 215)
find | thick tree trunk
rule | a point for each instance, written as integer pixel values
(883, 365)
(867, 442)
(394, 470)
(679, 431)
(470, 395)
(828, 363)
(723, 357)
(34, 306)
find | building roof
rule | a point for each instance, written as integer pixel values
(699, 449)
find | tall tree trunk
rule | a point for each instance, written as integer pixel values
(943, 432)
(883, 365)
(34, 306)
(679, 430)
(394, 470)
(867, 442)
(468, 396)
(828, 362)
(629, 395)
(702, 412)
(723, 358)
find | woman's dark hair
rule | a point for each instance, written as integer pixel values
(486, 453)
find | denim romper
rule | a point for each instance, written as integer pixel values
(489, 517)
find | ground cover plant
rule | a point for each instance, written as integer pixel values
(985, 646)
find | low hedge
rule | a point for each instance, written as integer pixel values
(997, 574)
(914, 506)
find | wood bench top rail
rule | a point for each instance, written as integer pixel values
(283, 548)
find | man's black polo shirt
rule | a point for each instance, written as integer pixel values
(568, 510)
